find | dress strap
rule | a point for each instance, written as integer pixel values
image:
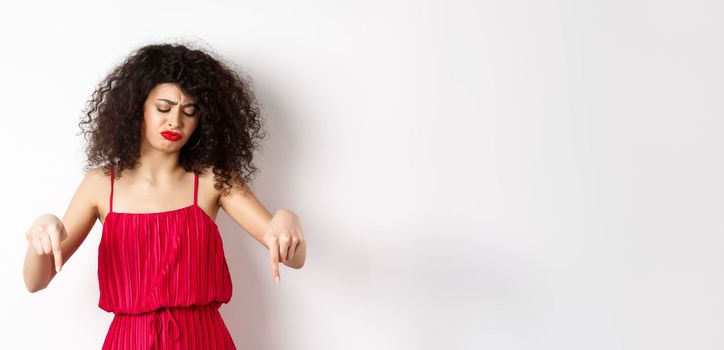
(111, 199)
(196, 187)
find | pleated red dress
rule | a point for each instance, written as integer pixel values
(164, 275)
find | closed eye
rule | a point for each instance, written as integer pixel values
(167, 110)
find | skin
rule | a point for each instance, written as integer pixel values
(156, 186)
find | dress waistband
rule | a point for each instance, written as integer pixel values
(161, 320)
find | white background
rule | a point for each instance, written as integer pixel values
(469, 175)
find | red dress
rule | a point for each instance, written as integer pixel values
(164, 275)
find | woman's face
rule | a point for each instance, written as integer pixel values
(169, 118)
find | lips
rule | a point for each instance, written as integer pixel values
(170, 135)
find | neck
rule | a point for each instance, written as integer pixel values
(157, 166)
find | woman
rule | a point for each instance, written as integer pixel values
(171, 134)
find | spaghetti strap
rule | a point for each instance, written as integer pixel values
(196, 187)
(110, 210)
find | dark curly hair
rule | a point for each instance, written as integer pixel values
(230, 125)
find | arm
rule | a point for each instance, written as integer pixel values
(250, 214)
(79, 218)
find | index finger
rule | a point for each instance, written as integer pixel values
(57, 250)
(274, 251)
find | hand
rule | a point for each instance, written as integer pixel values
(45, 236)
(283, 237)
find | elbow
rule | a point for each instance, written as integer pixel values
(32, 288)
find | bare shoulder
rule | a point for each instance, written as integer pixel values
(208, 182)
(98, 182)
(98, 176)
(207, 177)
(212, 197)
(236, 188)
(207, 191)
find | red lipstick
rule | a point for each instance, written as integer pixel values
(170, 135)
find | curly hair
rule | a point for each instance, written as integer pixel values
(230, 124)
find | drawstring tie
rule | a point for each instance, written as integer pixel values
(173, 258)
(153, 336)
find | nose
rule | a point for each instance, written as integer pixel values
(174, 120)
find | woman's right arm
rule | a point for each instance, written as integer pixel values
(69, 233)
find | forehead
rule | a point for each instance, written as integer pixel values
(169, 91)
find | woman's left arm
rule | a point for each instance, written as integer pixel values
(281, 233)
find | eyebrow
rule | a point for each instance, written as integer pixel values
(175, 103)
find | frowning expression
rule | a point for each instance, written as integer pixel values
(169, 118)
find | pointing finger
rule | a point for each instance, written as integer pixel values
(57, 251)
(274, 251)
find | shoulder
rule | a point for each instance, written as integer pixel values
(206, 177)
(206, 184)
(95, 184)
(241, 188)
(96, 176)
(207, 181)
